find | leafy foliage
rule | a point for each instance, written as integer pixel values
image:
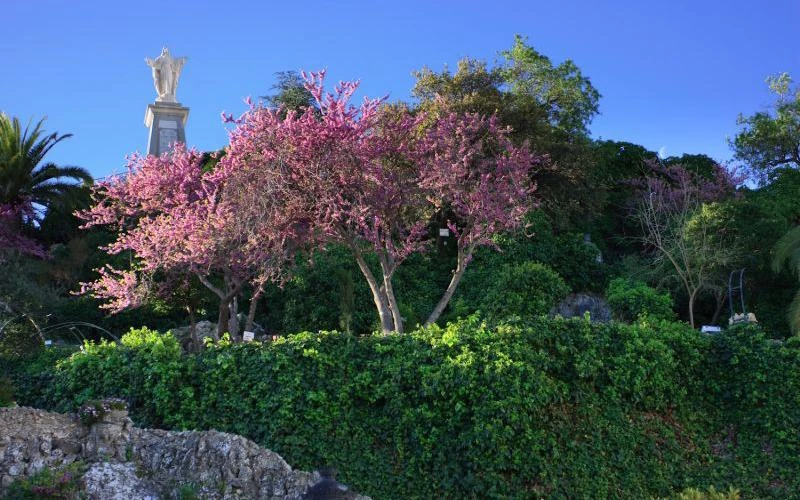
(787, 254)
(770, 140)
(6, 392)
(709, 494)
(566, 95)
(525, 289)
(545, 408)
(631, 299)
(290, 93)
(50, 483)
(548, 105)
(23, 176)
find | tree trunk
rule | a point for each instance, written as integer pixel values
(193, 329)
(691, 307)
(251, 314)
(461, 266)
(378, 295)
(720, 304)
(225, 298)
(388, 270)
(222, 318)
(233, 319)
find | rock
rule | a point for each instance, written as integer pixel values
(31, 440)
(218, 461)
(215, 465)
(327, 488)
(116, 481)
(577, 305)
(203, 329)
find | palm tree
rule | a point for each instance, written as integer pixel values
(787, 254)
(24, 179)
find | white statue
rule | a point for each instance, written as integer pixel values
(166, 70)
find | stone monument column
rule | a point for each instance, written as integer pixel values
(166, 117)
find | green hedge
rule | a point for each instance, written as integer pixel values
(533, 408)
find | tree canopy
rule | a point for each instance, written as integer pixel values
(769, 140)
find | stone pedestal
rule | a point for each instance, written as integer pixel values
(167, 122)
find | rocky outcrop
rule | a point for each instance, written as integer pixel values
(577, 305)
(128, 462)
(217, 461)
(117, 481)
(31, 440)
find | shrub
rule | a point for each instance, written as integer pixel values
(710, 494)
(753, 387)
(630, 299)
(145, 369)
(526, 289)
(31, 374)
(576, 260)
(61, 482)
(6, 392)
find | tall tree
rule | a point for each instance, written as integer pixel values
(678, 228)
(769, 140)
(567, 96)
(548, 105)
(290, 93)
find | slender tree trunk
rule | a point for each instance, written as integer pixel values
(378, 295)
(223, 317)
(393, 306)
(251, 314)
(193, 329)
(720, 304)
(388, 270)
(463, 259)
(233, 320)
(691, 307)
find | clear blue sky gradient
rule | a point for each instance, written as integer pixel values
(672, 74)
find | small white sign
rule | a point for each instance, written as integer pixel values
(444, 232)
(168, 124)
(710, 329)
(248, 336)
(48, 342)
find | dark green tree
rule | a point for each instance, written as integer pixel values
(290, 93)
(770, 139)
(562, 91)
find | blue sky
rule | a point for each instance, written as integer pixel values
(672, 74)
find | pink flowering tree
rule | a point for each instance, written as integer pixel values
(372, 177)
(369, 177)
(180, 221)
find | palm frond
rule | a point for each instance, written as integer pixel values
(51, 171)
(793, 314)
(787, 252)
(22, 174)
